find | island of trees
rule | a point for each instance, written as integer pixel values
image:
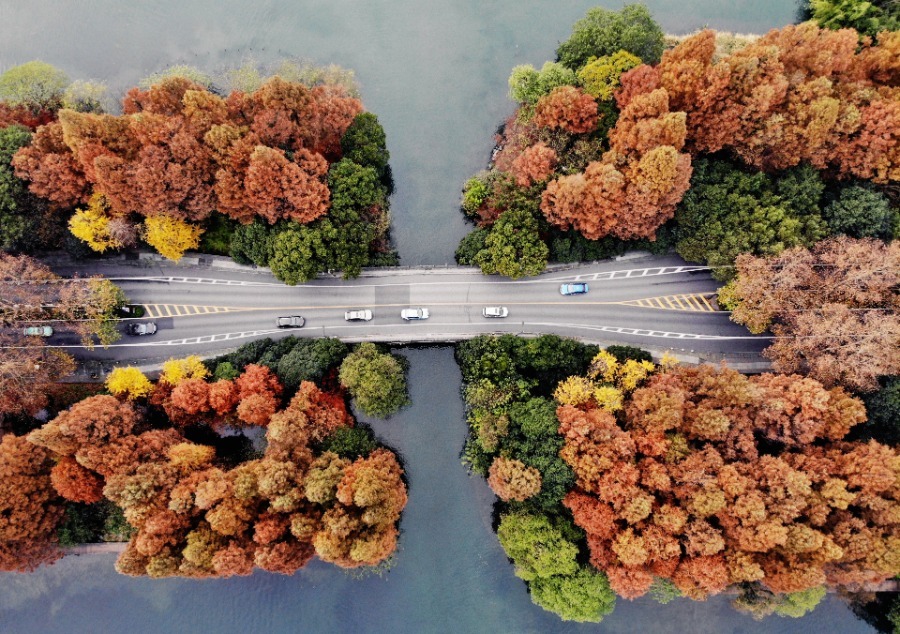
(774, 160)
(287, 172)
(175, 466)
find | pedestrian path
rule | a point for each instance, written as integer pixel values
(705, 302)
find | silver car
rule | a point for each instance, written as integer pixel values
(495, 311)
(294, 321)
(141, 328)
(38, 331)
(358, 315)
(411, 314)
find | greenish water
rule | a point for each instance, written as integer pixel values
(435, 73)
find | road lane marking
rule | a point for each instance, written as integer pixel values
(693, 302)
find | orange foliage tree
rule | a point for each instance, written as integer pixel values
(710, 478)
(29, 507)
(197, 516)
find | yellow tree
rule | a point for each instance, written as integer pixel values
(130, 381)
(171, 237)
(91, 225)
(174, 371)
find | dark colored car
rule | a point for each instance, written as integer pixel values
(573, 288)
(294, 321)
(141, 328)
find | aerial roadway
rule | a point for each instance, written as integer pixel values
(656, 302)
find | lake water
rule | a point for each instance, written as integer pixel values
(435, 74)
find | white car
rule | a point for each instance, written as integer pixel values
(358, 315)
(410, 314)
(495, 311)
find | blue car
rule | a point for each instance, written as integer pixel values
(575, 288)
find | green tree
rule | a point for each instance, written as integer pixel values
(86, 96)
(537, 547)
(527, 84)
(297, 254)
(469, 247)
(869, 18)
(252, 243)
(475, 192)
(860, 212)
(16, 213)
(584, 596)
(883, 409)
(309, 360)
(602, 32)
(513, 247)
(365, 144)
(36, 83)
(729, 211)
(350, 442)
(376, 380)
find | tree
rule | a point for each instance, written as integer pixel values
(729, 211)
(170, 237)
(869, 18)
(883, 408)
(527, 84)
(365, 144)
(50, 168)
(538, 549)
(830, 309)
(252, 243)
(603, 32)
(94, 421)
(129, 381)
(86, 96)
(711, 478)
(511, 479)
(861, 212)
(600, 77)
(174, 371)
(375, 380)
(513, 246)
(15, 202)
(91, 225)
(29, 507)
(535, 164)
(567, 108)
(35, 84)
(27, 374)
(75, 483)
(584, 597)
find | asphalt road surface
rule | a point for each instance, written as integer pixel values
(658, 302)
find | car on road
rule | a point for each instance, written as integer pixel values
(573, 288)
(294, 321)
(495, 311)
(141, 328)
(411, 314)
(358, 315)
(38, 331)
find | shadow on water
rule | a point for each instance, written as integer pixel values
(450, 574)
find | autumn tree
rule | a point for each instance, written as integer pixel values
(27, 374)
(831, 309)
(171, 237)
(567, 108)
(129, 381)
(75, 483)
(535, 164)
(29, 507)
(511, 479)
(710, 478)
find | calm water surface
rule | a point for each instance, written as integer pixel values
(435, 73)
